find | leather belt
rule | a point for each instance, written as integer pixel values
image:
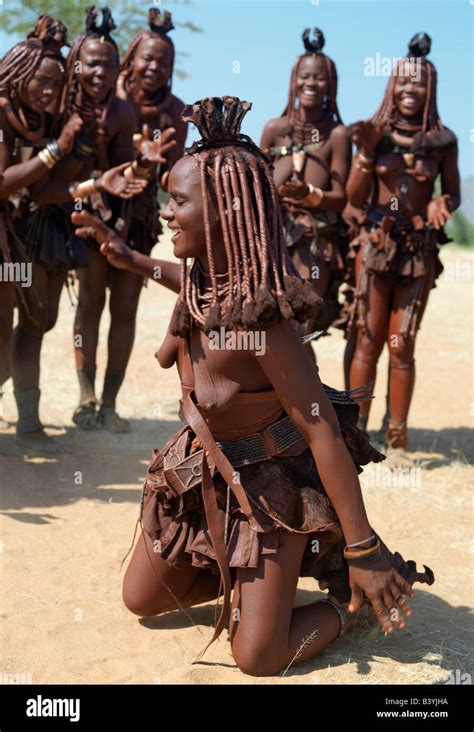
(254, 448)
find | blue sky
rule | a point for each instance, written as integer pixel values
(248, 48)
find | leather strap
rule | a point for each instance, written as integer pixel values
(214, 455)
(213, 458)
(217, 538)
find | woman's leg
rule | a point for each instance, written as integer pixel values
(92, 285)
(401, 351)
(349, 352)
(25, 355)
(124, 298)
(148, 576)
(26, 352)
(7, 302)
(267, 632)
(28, 335)
(370, 342)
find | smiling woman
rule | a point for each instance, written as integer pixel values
(105, 141)
(145, 80)
(31, 80)
(393, 263)
(311, 152)
(259, 486)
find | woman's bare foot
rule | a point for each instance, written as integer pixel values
(38, 443)
(110, 420)
(86, 416)
(364, 618)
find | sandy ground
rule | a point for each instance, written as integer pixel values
(67, 521)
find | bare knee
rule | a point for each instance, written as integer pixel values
(256, 658)
(368, 349)
(120, 312)
(400, 353)
(144, 607)
(91, 305)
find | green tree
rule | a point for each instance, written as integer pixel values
(461, 230)
(19, 16)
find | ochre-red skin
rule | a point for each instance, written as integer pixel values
(41, 92)
(273, 634)
(388, 302)
(98, 74)
(335, 154)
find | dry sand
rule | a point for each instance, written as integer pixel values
(63, 539)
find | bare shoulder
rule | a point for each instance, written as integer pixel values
(339, 135)
(176, 110)
(122, 110)
(276, 127)
(177, 105)
(281, 341)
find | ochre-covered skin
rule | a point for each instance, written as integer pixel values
(393, 261)
(31, 81)
(314, 228)
(227, 391)
(97, 118)
(140, 85)
(145, 80)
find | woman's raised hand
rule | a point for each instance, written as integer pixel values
(154, 151)
(293, 190)
(114, 182)
(438, 212)
(110, 244)
(69, 132)
(366, 135)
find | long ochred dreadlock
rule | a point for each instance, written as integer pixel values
(313, 47)
(261, 285)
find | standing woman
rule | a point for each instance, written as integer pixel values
(258, 487)
(395, 261)
(46, 236)
(105, 142)
(311, 151)
(31, 80)
(145, 81)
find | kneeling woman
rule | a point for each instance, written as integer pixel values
(259, 486)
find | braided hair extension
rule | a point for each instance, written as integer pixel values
(313, 47)
(159, 25)
(261, 285)
(18, 66)
(74, 99)
(51, 29)
(432, 133)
